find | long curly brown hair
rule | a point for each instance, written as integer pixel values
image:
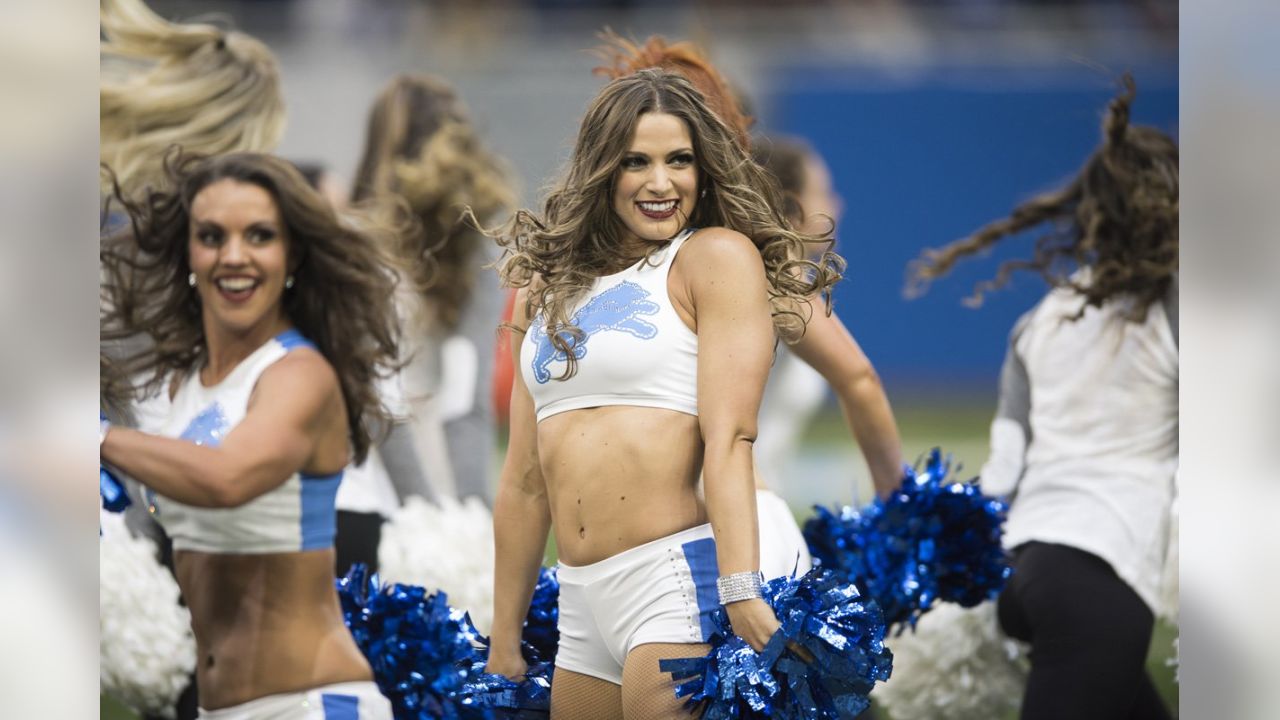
(342, 300)
(623, 57)
(1118, 217)
(422, 146)
(578, 237)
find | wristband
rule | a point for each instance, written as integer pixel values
(103, 426)
(739, 586)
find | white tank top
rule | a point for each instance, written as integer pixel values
(636, 350)
(297, 515)
(1100, 466)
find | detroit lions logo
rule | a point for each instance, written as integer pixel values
(618, 308)
(207, 428)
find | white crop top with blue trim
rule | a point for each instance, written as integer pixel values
(636, 350)
(297, 515)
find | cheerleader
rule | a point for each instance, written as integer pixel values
(645, 307)
(826, 346)
(194, 85)
(421, 146)
(1085, 437)
(270, 320)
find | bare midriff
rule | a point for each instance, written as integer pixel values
(266, 624)
(618, 477)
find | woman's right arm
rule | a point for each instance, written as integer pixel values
(521, 521)
(279, 435)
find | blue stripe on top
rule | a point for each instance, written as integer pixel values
(340, 707)
(701, 556)
(319, 516)
(291, 339)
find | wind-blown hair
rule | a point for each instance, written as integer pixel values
(206, 89)
(342, 299)
(785, 157)
(422, 146)
(623, 57)
(1118, 218)
(578, 236)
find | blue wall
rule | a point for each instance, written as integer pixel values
(925, 161)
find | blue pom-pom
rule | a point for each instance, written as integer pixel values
(114, 497)
(421, 650)
(541, 632)
(500, 697)
(842, 631)
(933, 540)
(530, 697)
(835, 542)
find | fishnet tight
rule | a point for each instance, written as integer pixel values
(646, 693)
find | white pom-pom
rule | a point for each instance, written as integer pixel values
(146, 650)
(957, 665)
(446, 546)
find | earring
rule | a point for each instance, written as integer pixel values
(191, 279)
(704, 193)
(288, 282)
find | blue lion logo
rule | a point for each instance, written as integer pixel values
(207, 428)
(618, 308)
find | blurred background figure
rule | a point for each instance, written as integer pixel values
(796, 391)
(1085, 439)
(371, 491)
(421, 146)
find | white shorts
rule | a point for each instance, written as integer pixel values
(782, 546)
(660, 592)
(340, 701)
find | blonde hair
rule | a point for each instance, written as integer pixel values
(421, 146)
(578, 236)
(206, 89)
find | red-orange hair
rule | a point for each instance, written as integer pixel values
(623, 57)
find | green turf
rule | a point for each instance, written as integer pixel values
(110, 709)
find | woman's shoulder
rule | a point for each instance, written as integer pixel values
(719, 250)
(720, 243)
(304, 371)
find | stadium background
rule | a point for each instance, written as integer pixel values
(934, 117)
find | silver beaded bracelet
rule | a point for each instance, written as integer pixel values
(739, 586)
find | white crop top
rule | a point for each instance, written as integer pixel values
(636, 351)
(297, 515)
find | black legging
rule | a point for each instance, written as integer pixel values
(1089, 634)
(356, 540)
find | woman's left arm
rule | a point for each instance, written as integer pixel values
(277, 437)
(726, 281)
(829, 348)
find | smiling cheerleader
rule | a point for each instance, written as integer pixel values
(269, 322)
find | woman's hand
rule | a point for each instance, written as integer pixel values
(753, 621)
(512, 666)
